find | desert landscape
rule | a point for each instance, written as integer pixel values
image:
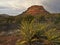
(35, 26)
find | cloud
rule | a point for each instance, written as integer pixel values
(18, 6)
(52, 5)
(11, 11)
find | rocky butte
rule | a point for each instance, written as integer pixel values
(33, 10)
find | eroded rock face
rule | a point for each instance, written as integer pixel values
(33, 10)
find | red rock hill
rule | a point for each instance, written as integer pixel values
(33, 10)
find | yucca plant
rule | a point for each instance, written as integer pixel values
(28, 30)
(45, 33)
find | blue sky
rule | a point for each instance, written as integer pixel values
(15, 7)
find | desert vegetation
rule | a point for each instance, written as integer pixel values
(40, 30)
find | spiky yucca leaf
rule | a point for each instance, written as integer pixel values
(52, 35)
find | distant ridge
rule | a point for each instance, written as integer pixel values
(4, 15)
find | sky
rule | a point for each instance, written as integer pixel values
(15, 7)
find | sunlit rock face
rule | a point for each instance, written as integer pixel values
(33, 10)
